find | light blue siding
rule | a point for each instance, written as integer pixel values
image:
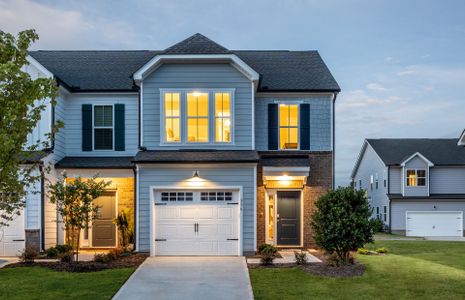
(60, 138)
(214, 175)
(320, 120)
(447, 180)
(73, 123)
(416, 163)
(33, 202)
(197, 76)
(395, 180)
(372, 166)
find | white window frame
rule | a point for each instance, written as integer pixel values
(298, 124)
(183, 118)
(416, 177)
(163, 116)
(104, 127)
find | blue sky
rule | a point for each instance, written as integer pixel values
(400, 64)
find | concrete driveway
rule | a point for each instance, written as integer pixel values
(189, 278)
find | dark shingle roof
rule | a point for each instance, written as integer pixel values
(113, 70)
(196, 44)
(32, 157)
(196, 156)
(438, 151)
(95, 162)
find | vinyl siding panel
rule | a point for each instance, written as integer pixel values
(214, 175)
(400, 207)
(320, 120)
(197, 76)
(33, 198)
(60, 137)
(73, 123)
(447, 180)
(395, 180)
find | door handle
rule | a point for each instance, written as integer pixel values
(196, 227)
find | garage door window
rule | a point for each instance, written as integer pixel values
(216, 196)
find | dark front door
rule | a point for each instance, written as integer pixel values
(103, 229)
(288, 218)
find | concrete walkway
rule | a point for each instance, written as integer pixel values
(7, 260)
(189, 278)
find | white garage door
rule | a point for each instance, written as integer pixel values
(434, 223)
(12, 237)
(196, 223)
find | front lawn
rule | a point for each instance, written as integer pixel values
(42, 283)
(412, 270)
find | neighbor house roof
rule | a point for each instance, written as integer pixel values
(196, 156)
(280, 71)
(439, 151)
(77, 162)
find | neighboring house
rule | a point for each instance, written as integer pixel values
(415, 186)
(215, 150)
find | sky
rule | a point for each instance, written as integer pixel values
(400, 64)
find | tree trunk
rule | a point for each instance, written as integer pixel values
(78, 242)
(72, 243)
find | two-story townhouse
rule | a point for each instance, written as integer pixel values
(214, 151)
(415, 186)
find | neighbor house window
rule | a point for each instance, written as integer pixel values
(103, 127)
(173, 117)
(223, 117)
(197, 117)
(416, 177)
(289, 126)
(384, 213)
(378, 216)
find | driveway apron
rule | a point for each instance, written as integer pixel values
(189, 278)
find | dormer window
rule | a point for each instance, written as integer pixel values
(416, 177)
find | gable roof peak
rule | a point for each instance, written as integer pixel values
(196, 44)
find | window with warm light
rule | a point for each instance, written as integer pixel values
(197, 117)
(223, 117)
(172, 117)
(288, 126)
(416, 177)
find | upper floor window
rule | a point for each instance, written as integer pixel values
(103, 127)
(193, 117)
(416, 177)
(173, 117)
(288, 126)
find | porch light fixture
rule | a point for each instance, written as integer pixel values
(196, 174)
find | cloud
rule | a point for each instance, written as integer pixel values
(388, 59)
(408, 71)
(376, 87)
(60, 28)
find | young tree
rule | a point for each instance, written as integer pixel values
(74, 200)
(341, 222)
(22, 99)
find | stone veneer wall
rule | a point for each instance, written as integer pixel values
(318, 182)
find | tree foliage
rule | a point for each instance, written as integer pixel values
(22, 100)
(74, 199)
(341, 223)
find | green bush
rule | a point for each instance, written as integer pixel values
(29, 254)
(341, 223)
(300, 258)
(52, 252)
(382, 250)
(378, 225)
(66, 257)
(363, 251)
(267, 248)
(102, 258)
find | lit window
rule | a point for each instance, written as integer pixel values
(223, 117)
(416, 177)
(172, 117)
(197, 117)
(103, 127)
(288, 126)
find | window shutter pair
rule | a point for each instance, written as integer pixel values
(273, 126)
(118, 125)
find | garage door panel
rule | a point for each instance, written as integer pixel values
(434, 224)
(12, 236)
(174, 231)
(187, 212)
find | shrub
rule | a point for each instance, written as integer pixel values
(66, 257)
(114, 254)
(63, 248)
(102, 258)
(378, 225)
(363, 251)
(29, 254)
(334, 260)
(267, 248)
(52, 252)
(300, 258)
(341, 222)
(267, 253)
(382, 250)
(267, 258)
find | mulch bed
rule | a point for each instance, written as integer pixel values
(86, 266)
(319, 269)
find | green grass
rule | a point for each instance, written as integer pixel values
(42, 283)
(412, 269)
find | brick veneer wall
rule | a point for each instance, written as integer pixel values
(318, 182)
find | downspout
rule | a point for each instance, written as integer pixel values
(135, 209)
(389, 192)
(42, 208)
(334, 141)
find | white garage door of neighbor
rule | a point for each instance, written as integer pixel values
(435, 223)
(196, 223)
(12, 237)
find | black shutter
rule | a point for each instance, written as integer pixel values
(87, 127)
(273, 135)
(119, 127)
(305, 127)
